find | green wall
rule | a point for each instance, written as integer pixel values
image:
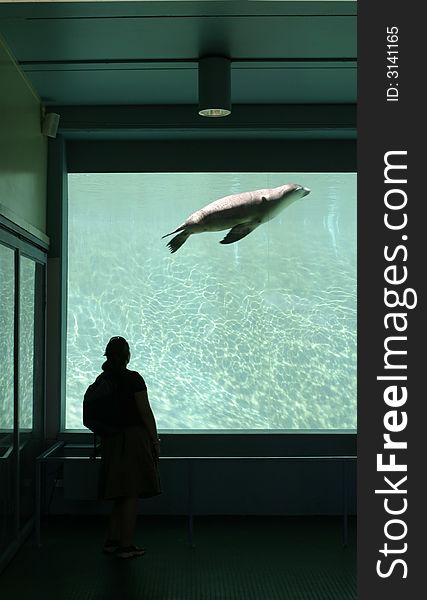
(23, 149)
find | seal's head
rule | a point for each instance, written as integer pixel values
(288, 194)
(302, 191)
(294, 190)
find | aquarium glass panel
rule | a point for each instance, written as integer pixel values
(26, 342)
(7, 311)
(259, 334)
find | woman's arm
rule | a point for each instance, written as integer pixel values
(147, 416)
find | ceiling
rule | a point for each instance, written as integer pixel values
(96, 54)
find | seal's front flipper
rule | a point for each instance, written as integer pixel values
(238, 232)
(177, 241)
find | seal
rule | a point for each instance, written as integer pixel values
(241, 213)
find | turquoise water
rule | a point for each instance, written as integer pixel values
(259, 334)
(26, 339)
(7, 309)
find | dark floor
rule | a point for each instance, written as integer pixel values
(235, 558)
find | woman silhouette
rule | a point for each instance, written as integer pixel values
(129, 458)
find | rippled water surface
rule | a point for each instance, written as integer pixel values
(259, 334)
(7, 307)
(25, 340)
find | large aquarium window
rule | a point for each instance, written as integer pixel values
(255, 335)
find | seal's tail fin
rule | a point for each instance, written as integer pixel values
(180, 228)
(177, 241)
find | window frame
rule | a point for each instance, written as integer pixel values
(78, 155)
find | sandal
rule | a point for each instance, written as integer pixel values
(129, 551)
(110, 546)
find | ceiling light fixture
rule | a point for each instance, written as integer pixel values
(214, 86)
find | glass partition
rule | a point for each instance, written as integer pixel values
(22, 307)
(28, 315)
(7, 311)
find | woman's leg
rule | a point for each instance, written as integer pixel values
(114, 525)
(128, 510)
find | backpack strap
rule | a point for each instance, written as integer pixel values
(94, 446)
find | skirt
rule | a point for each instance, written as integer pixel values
(129, 466)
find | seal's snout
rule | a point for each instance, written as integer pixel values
(302, 191)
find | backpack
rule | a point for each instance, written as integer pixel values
(102, 406)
